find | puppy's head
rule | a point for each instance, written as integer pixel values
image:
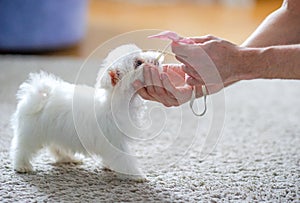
(124, 65)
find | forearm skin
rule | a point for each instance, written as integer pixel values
(273, 62)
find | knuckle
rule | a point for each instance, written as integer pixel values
(190, 81)
(151, 91)
(170, 93)
(176, 104)
(209, 36)
(160, 92)
(145, 97)
(167, 105)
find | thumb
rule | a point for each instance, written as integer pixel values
(203, 39)
(180, 49)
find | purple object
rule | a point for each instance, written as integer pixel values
(169, 35)
(40, 25)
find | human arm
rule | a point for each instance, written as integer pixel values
(250, 60)
(240, 63)
(276, 62)
(235, 63)
(280, 28)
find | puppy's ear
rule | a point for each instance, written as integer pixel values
(114, 76)
(110, 79)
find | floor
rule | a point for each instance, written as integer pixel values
(254, 159)
(109, 18)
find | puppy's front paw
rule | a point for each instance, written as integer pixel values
(105, 168)
(140, 179)
(75, 161)
(23, 168)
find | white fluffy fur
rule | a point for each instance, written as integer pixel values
(69, 118)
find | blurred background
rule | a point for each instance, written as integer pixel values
(77, 27)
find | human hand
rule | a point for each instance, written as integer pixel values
(212, 62)
(168, 87)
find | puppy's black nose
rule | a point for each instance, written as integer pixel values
(155, 63)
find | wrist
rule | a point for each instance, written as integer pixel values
(254, 63)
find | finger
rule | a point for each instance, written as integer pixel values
(192, 81)
(211, 89)
(165, 67)
(148, 80)
(160, 94)
(198, 90)
(203, 39)
(175, 73)
(179, 70)
(141, 90)
(181, 59)
(171, 89)
(185, 92)
(191, 72)
(178, 79)
(181, 94)
(182, 50)
(174, 68)
(154, 87)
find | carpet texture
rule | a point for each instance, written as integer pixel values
(256, 158)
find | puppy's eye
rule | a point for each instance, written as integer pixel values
(137, 63)
(118, 73)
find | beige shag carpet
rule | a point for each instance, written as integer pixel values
(256, 158)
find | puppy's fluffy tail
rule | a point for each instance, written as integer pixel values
(35, 91)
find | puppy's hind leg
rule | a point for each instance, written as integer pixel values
(22, 152)
(63, 157)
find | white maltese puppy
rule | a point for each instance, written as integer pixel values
(70, 119)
